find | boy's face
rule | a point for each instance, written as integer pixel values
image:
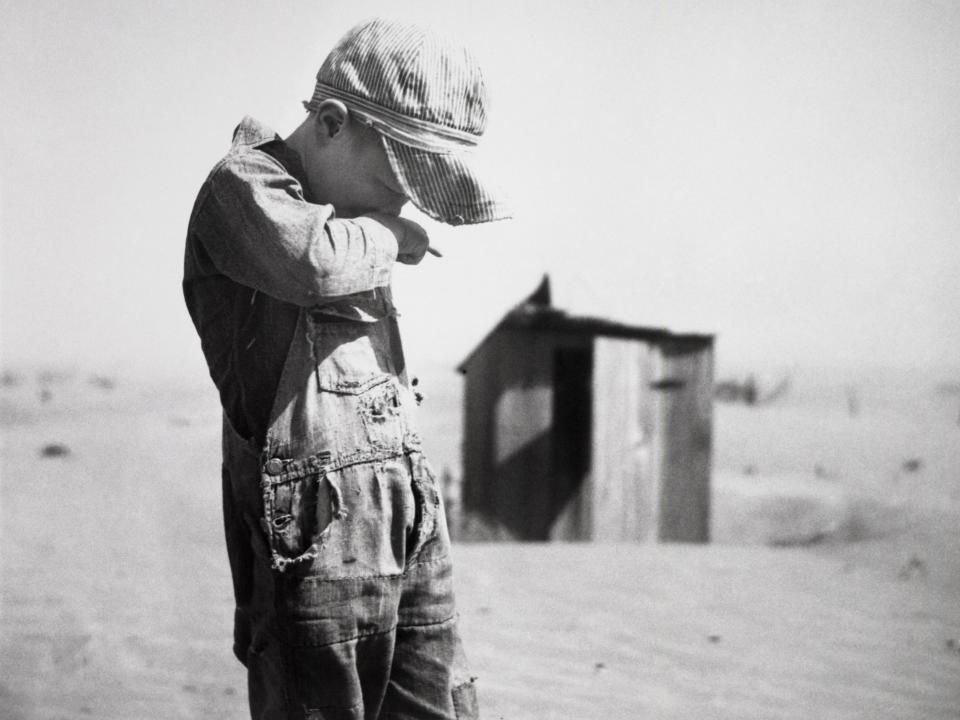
(351, 171)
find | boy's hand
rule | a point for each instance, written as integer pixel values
(414, 243)
(412, 240)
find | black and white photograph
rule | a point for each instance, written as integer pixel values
(445, 360)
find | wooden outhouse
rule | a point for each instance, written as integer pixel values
(580, 428)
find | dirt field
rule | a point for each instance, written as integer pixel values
(116, 600)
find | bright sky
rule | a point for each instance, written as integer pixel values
(786, 175)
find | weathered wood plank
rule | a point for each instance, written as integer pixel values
(623, 488)
(686, 412)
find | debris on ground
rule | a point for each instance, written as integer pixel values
(914, 567)
(912, 465)
(53, 450)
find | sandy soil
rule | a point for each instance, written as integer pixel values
(116, 600)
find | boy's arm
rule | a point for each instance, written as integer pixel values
(264, 235)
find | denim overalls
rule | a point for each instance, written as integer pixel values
(335, 527)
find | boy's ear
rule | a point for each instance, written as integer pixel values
(332, 117)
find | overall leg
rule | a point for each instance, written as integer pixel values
(429, 679)
(361, 623)
(340, 538)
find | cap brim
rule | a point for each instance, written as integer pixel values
(447, 186)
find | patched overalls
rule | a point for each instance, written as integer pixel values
(352, 611)
(335, 528)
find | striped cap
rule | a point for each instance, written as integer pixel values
(426, 97)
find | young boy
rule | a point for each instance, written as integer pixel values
(335, 530)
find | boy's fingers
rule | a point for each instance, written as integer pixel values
(412, 243)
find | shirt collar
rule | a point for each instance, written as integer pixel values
(253, 133)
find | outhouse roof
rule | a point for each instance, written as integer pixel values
(537, 313)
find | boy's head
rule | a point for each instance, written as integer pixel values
(397, 112)
(346, 163)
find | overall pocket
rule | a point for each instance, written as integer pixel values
(429, 539)
(368, 415)
(358, 391)
(299, 503)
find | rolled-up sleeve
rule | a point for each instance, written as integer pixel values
(266, 236)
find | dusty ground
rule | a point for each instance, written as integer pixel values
(116, 597)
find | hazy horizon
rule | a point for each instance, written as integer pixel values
(785, 176)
